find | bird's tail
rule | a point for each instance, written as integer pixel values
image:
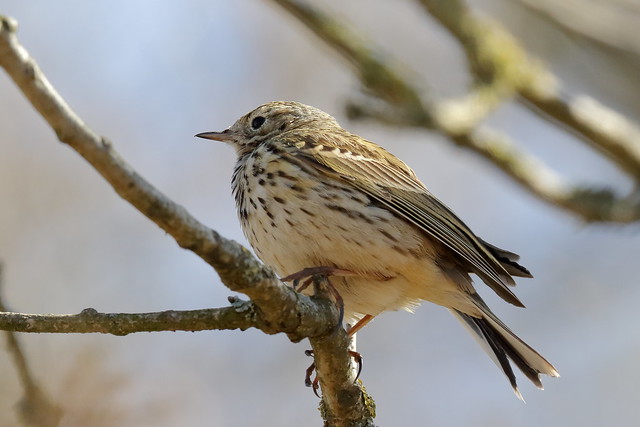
(501, 345)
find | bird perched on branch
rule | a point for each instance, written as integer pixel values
(315, 199)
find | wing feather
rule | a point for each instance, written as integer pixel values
(390, 182)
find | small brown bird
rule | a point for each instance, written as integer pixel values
(311, 194)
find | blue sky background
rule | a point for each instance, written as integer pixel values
(149, 75)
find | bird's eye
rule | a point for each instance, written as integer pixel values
(257, 122)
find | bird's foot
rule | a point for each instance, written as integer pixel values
(318, 275)
(308, 274)
(315, 383)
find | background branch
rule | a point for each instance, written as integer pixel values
(612, 23)
(496, 59)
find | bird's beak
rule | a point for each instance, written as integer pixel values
(224, 136)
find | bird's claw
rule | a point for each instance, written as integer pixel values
(311, 274)
(315, 382)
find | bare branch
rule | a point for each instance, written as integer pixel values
(494, 56)
(612, 23)
(240, 315)
(371, 65)
(91, 321)
(592, 204)
(497, 59)
(344, 402)
(599, 126)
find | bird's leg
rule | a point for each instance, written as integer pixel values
(318, 276)
(359, 325)
(315, 383)
(310, 272)
(351, 332)
(337, 297)
(357, 357)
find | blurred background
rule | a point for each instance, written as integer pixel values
(149, 75)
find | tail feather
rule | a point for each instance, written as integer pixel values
(501, 344)
(508, 260)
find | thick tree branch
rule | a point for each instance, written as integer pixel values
(500, 68)
(276, 307)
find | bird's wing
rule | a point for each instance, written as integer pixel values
(390, 182)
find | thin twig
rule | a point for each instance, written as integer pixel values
(91, 321)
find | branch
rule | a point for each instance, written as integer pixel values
(612, 24)
(496, 58)
(280, 308)
(599, 126)
(352, 406)
(241, 316)
(501, 68)
(370, 64)
(592, 204)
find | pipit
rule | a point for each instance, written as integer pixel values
(312, 197)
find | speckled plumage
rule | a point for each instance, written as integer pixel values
(311, 194)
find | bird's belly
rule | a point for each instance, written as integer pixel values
(297, 225)
(309, 223)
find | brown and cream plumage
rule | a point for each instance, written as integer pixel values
(311, 194)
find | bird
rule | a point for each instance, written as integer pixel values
(314, 198)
